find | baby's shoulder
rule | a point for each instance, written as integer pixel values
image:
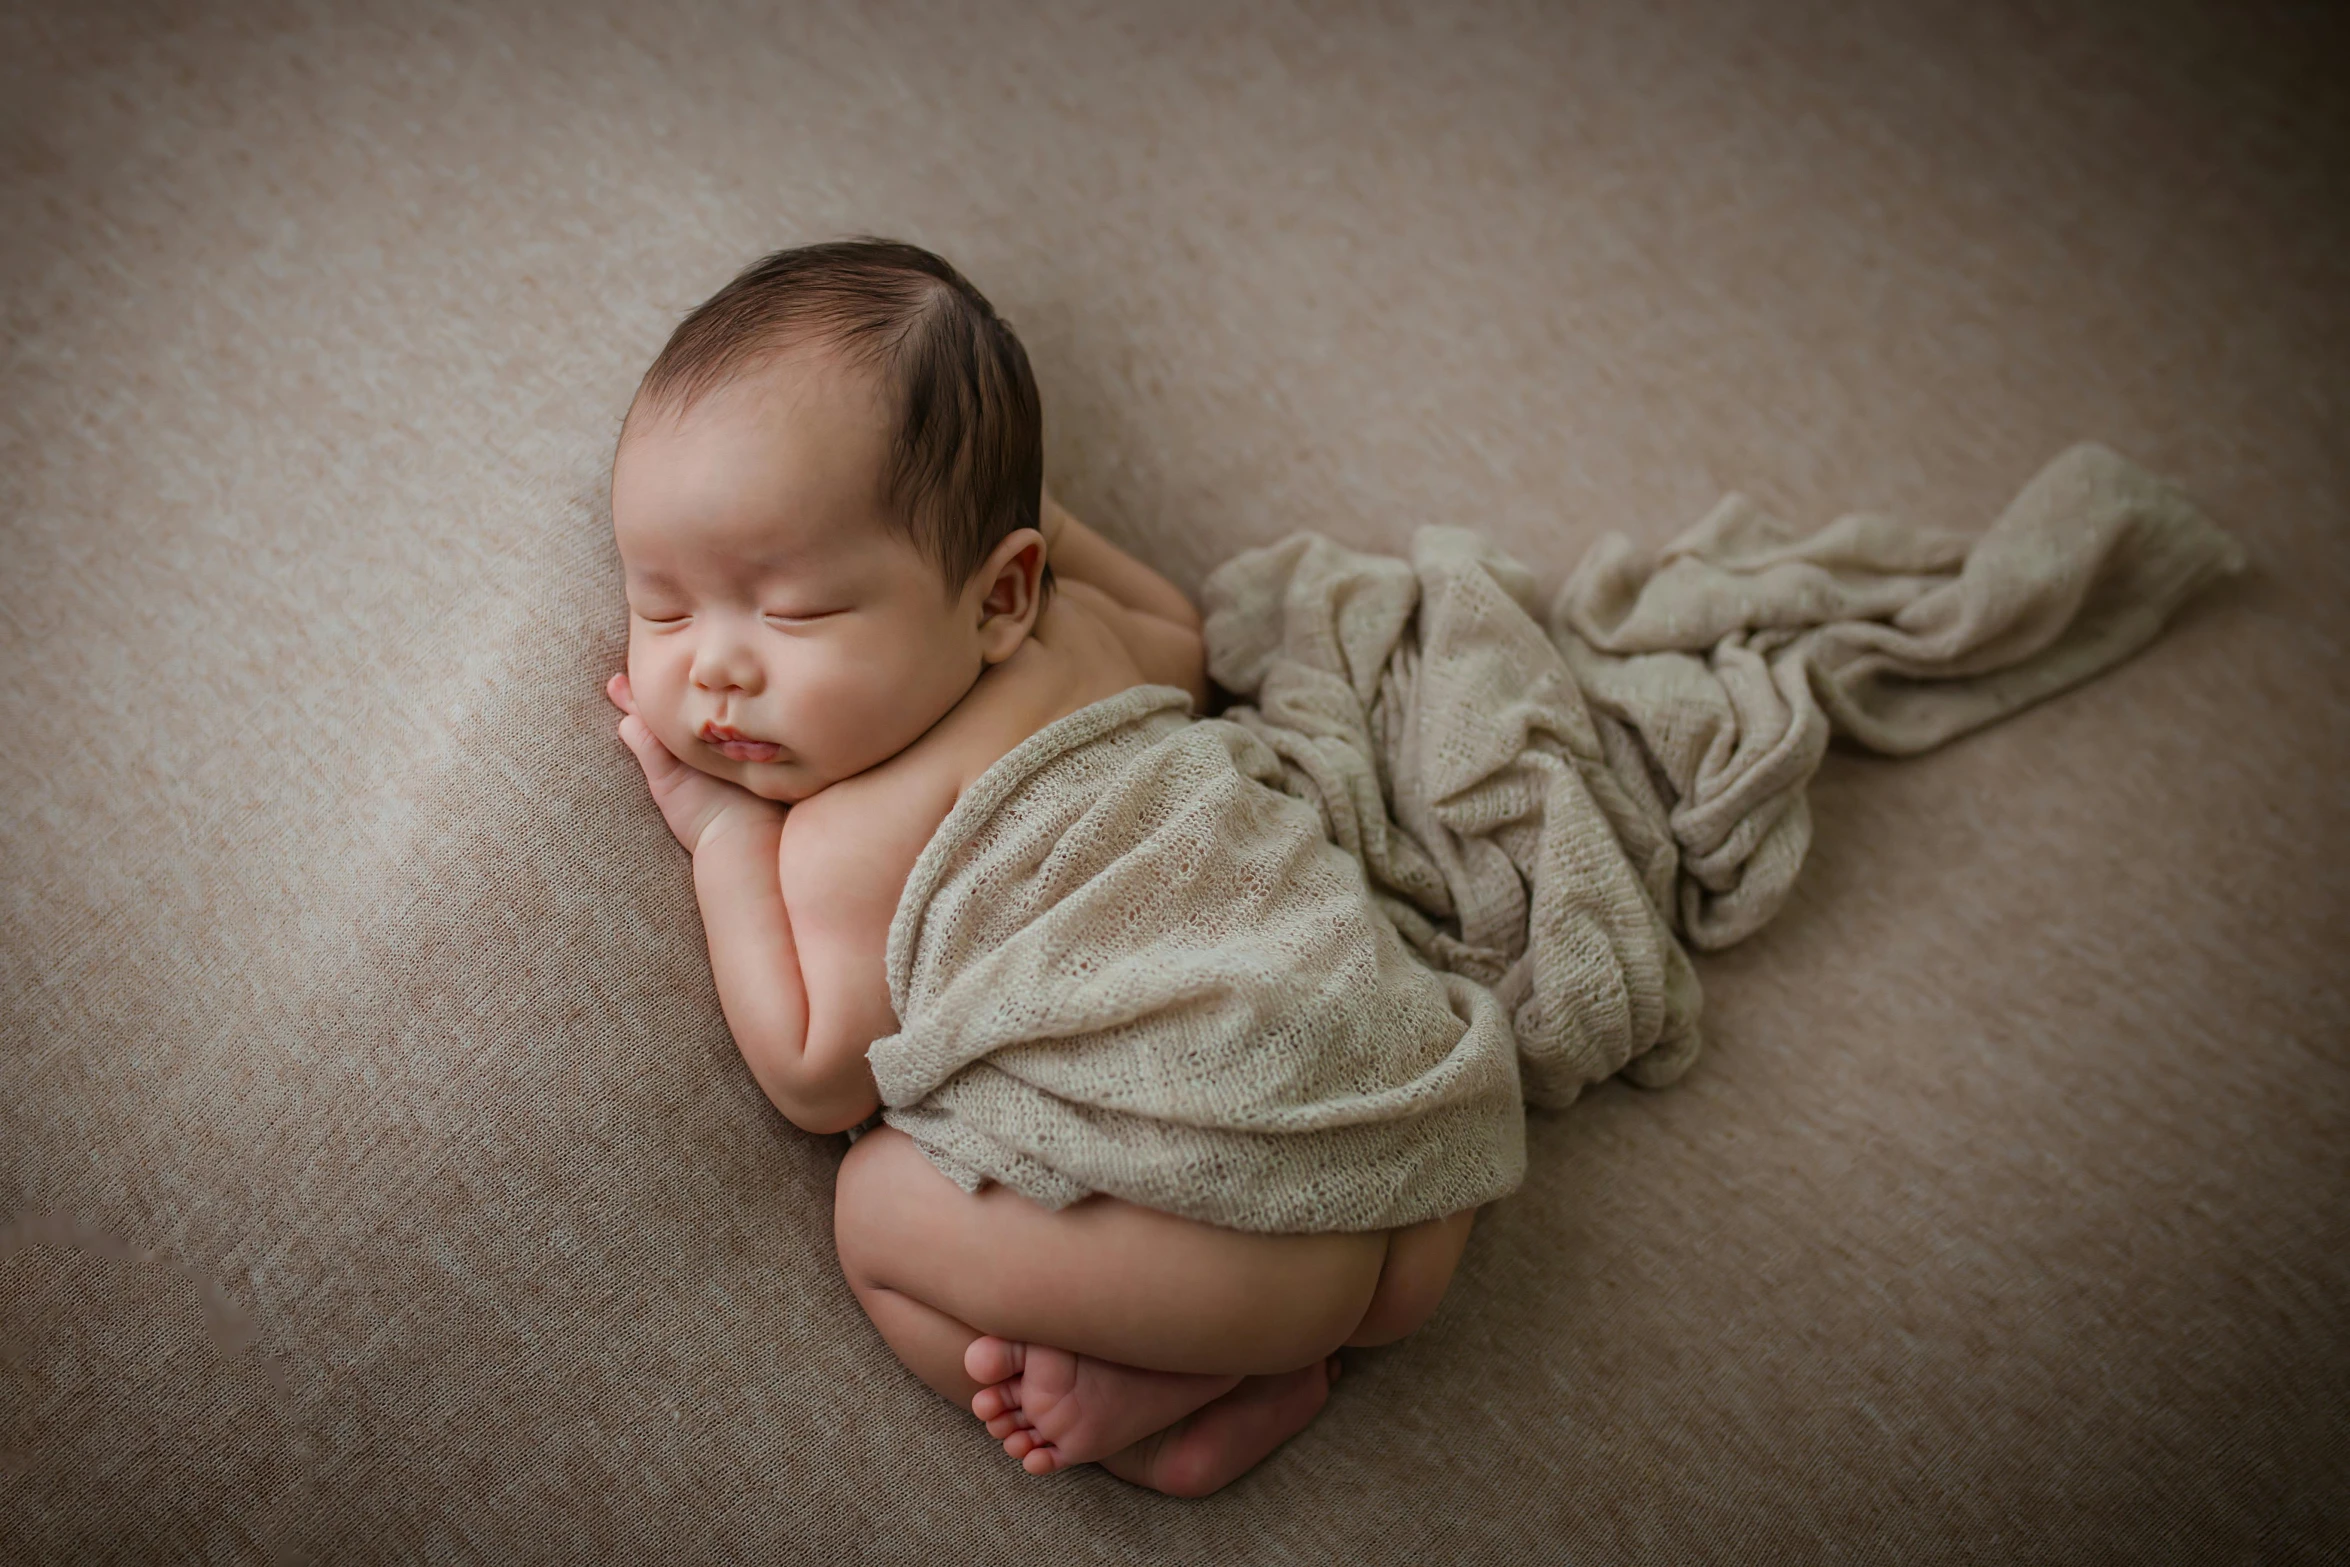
(905, 798)
(858, 838)
(1004, 707)
(895, 806)
(1071, 661)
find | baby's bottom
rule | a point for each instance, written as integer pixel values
(1145, 1314)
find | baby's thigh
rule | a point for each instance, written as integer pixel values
(1101, 1277)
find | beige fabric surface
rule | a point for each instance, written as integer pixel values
(351, 992)
(1721, 668)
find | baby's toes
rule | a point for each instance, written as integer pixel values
(1005, 1424)
(990, 1403)
(990, 1360)
(1021, 1443)
(1041, 1460)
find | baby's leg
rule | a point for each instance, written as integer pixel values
(1208, 1450)
(1048, 1407)
(1229, 1435)
(1102, 1278)
(1108, 1285)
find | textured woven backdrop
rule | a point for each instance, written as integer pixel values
(379, 1177)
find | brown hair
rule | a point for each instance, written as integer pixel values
(966, 468)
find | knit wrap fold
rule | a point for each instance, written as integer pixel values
(1299, 968)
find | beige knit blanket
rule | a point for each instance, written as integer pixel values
(1296, 968)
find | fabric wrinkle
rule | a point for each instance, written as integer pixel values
(1301, 967)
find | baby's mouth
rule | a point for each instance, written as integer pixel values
(736, 746)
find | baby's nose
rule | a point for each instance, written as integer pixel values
(725, 664)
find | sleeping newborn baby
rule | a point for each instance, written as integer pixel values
(849, 599)
(1197, 1042)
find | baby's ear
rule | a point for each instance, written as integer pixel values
(1012, 593)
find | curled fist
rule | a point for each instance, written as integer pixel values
(697, 807)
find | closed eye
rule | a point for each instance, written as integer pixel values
(801, 617)
(663, 620)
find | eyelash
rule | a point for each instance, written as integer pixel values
(789, 620)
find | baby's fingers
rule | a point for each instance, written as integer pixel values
(656, 758)
(617, 688)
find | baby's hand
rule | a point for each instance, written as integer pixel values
(695, 805)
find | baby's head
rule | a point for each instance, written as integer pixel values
(825, 498)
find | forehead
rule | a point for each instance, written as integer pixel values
(786, 459)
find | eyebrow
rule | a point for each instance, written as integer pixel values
(762, 564)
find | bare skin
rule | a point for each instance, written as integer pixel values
(1114, 1288)
(808, 697)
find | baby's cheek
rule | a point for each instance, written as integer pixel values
(824, 707)
(847, 714)
(658, 684)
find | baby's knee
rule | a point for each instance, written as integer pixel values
(870, 1200)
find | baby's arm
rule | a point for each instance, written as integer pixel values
(820, 1082)
(1149, 614)
(1078, 552)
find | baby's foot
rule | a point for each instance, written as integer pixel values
(1224, 1440)
(1052, 1409)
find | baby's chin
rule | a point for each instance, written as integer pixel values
(786, 783)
